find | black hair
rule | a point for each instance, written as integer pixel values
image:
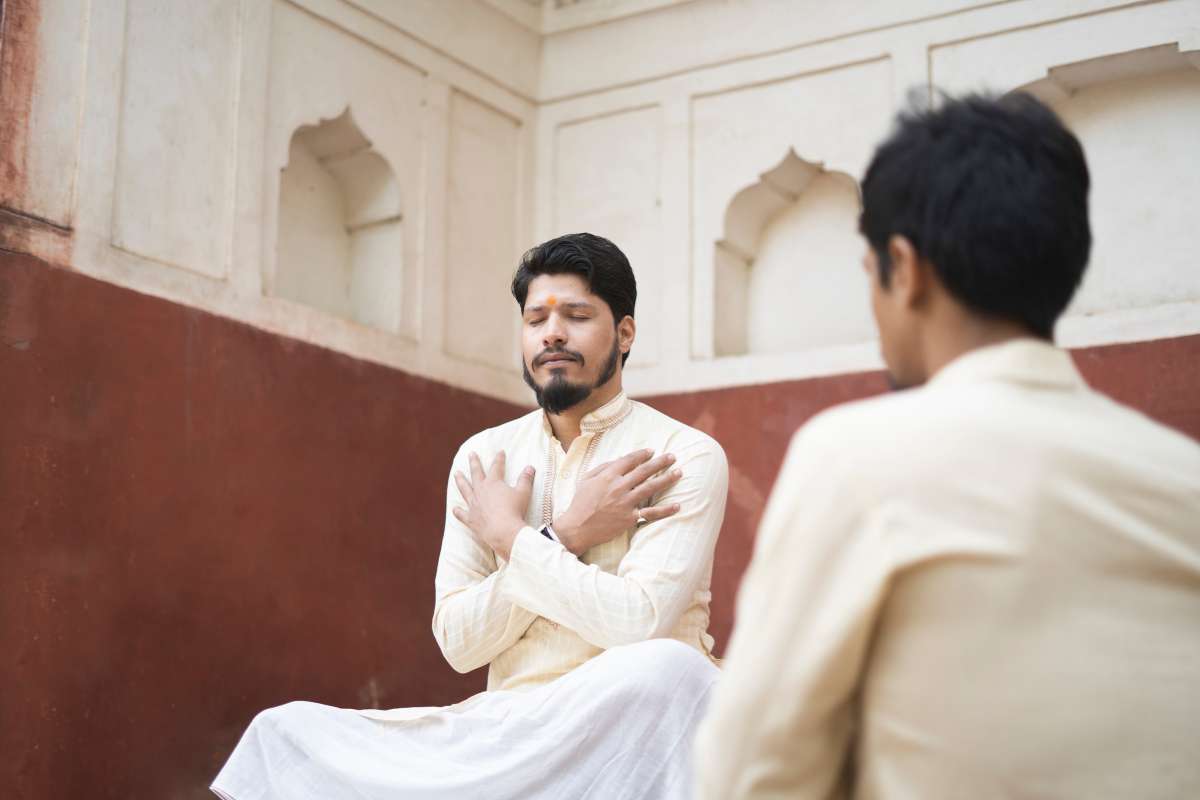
(598, 261)
(993, 192)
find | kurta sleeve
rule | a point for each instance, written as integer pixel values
(473, 620)
(781, 721)
(657, 579)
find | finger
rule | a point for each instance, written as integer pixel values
(655, 485)
(497, 470)
(625, 464)
(649, 469)
(525, 484)
(594, 471)
(464, 487)
(460, 514)
(476, 469)
(655, 513)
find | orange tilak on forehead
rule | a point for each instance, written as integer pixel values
(552, 301)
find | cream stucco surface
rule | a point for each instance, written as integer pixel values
(160, 132)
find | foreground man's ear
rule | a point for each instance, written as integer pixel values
(910, 274)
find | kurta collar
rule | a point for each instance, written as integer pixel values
(1027, 361)
(606, 416)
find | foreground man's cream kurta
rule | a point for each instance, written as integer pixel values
(987, 587)
(546, 612)
(600, 667)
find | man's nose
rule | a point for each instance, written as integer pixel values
(553, 332)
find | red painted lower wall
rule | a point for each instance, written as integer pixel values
(199, 520)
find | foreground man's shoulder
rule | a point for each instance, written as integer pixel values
(883, 429)
(869, 414)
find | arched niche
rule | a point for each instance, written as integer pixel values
(1137, 114)
(786, 274)
(341, 226)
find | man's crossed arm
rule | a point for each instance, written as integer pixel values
(607, 502)
(484, 606)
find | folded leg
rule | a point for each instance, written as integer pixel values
(620, 726)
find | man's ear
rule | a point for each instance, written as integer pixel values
(910, 274)
(626, 333)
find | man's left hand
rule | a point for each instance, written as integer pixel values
(495, 511)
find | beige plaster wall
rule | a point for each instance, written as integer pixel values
(157, 133)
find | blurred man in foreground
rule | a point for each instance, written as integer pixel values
(987, 586)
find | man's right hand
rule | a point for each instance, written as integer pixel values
(608, 500)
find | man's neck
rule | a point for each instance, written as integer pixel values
(966, 334)
(566, 425)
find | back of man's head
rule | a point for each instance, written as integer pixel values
(993, 192)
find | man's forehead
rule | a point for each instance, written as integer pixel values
(553, 290)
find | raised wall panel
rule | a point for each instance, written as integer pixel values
(1142, 140)
(481, 223)
(336, 87)
(607, 183)
(833, 118)
(691, 36)
(173, 189)
(1005, 59)
(830, 119)
(486, 39)
(1125, 80)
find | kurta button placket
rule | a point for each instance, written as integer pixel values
(588, 439)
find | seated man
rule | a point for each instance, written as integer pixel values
(988, 586)
(577, 567)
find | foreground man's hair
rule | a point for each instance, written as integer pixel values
(993, 192)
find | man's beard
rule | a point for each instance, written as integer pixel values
(559, 394)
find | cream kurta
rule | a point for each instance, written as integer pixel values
(546, 612)
(987, 587)
(618, 722)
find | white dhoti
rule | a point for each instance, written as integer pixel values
(618, 727)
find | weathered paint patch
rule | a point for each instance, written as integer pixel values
(21, 233)
(19, 21)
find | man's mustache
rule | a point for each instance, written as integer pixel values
(557, 351)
